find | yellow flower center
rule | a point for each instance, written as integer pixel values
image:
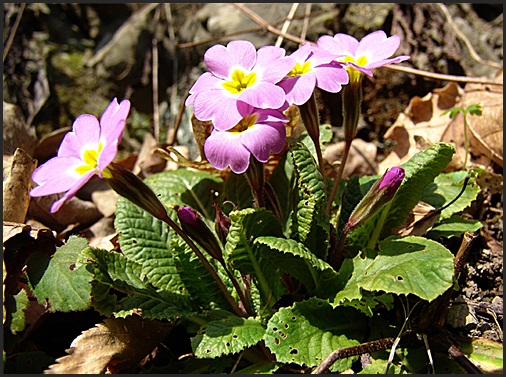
(300, 69)
(240, 81)
(244, 124)
(90, 159)
(353, 73)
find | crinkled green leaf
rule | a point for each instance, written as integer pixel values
(453, 227)
(244, 255)
(282, 181)
(295, 259)
(237, 191)
(409, 265)
(447, 187)
(56, 280)
(310, 223)
(15, 307)
(113, 272)
(227, 335)
(420, 170)
(310, 330)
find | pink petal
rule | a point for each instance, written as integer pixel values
(220, 60)
(263, 96)
(302, 53)
(85, 131)
(113, 121)
(272, 65)
(376, 46)
(340, 44)
(206, 81)
(55, 175)
(70, 194)
(224, 149)
(384, 62)
(330, 77)
(298, 89)
(261, 139)
(215, 106)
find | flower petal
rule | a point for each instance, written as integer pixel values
(85, 131)
(220, 60)
(221, 110)
(330, 77)
(56, 175)
(340, 45)
(298, 89)
(272, 65)
(261, 139)
(384, 62)
(113, 121)
(377, 46)
(75, 188)
(264, 95)
(224, 149)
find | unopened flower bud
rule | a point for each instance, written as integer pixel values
(221, 224)
(379, 194)
(193, 224)
(131, 187)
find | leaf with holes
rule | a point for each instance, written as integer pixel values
(310, 330)
(453, 227)
(227, 335)
(53, 279)
(409, 265)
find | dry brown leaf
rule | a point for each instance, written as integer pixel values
(422, 124)
(17, 185)
(16, 132)
(114, 346)
(361, 160)
(486, 131)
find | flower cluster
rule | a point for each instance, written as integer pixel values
(246, 90)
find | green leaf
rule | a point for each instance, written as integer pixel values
(310, 330)
(245, 256)
(112, 271)
(409, 265)
(56, 280)
(237, 190)
(310, 223)
(227, 335)
(15, 307)
(453, 227)
(447, 187)
(295, 259)
(420, 170)
(282, 181)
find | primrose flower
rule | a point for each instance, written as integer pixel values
(85, 151)
(313, 67)
(259, 132)
(238, 74)
(372, 51)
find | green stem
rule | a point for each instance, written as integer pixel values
(206, 264)
(377, 229)
(337, 180)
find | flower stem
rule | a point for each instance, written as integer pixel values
(311, 119)
(206, 264)
(377, 229)
(337, 180)
(256, 179)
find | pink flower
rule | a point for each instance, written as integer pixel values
(313, 67)
(238, 74)
(258, 133)
(371, 52)
(85, 151)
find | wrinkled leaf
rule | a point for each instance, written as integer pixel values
(310, 330)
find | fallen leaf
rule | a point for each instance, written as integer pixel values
(361, 159)
(17, 185)
(116, 345)
(16, 132)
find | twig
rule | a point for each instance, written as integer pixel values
(154, 75)
(464, 39)
(13, 31)
(305, 24)
(287, 23)
(266, 25)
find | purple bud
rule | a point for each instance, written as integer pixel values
(193, 224)
(392, 178)
(379, 194)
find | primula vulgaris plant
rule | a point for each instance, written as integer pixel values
(261, 260)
